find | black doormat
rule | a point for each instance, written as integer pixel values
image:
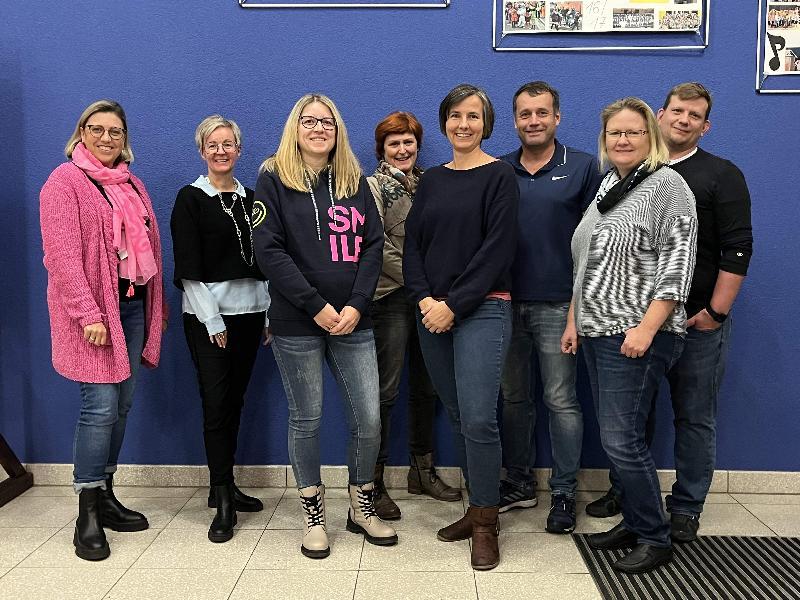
(716, 566)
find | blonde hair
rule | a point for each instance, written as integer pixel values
(288, 164)
(210, 124)
(658, 153)
(101, 106)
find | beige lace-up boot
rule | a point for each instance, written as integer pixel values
(315, 540)
(362, 518)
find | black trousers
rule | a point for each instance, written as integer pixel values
(395, 329)
(223, 375)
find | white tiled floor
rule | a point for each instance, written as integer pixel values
(175, 560)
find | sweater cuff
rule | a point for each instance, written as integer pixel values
(215, 325)
(91, 319)
(313, 306)
(359, 303)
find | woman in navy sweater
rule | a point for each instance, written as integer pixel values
(318, 238)
(460, 243)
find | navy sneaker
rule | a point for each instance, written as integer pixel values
(562, 514)
(512, 497)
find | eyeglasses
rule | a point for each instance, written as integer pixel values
(212, 147)
(630, 133)
(97, 131)
(309, 122)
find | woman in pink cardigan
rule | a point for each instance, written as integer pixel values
(106, 300)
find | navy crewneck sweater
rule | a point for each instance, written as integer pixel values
(339, 266)
(461, 235)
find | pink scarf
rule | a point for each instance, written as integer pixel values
(137, 262)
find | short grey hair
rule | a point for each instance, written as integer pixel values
(460, 93)
(210, 124)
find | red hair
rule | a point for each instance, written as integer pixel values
(396, 122)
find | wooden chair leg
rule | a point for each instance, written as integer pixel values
(18, 480)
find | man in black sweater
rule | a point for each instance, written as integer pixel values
(724, 247)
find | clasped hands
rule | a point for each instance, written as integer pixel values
(436, 315)
(338, 323)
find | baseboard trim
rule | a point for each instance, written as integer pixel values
(589, 480)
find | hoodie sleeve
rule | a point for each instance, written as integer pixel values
(269, 239)
(371, 258)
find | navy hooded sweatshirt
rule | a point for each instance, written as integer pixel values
(339, 264)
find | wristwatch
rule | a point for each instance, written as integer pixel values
(718, 317)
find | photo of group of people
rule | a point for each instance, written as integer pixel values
(539, 16)
(785, 15)
(782, 40)
(679, 19)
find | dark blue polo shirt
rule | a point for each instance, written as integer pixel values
(551, 204)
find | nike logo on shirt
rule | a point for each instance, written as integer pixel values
(557, 177)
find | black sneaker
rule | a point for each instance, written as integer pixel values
(684, 527)
(562, 514)
(512, 497)
(605, 506)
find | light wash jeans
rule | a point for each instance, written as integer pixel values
(538, 327)
(104, 410)
(351, 359)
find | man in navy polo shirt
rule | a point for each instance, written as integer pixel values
(556, 184)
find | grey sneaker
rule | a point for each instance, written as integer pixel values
(512, 497)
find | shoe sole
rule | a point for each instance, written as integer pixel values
(239, 507)
(519, 505)
(127, 527)
(88, 553)
(549, 529)
(420, 492)
(377, 541)
(316, 554)
(444, 539)
(485, 567)
(219, 538)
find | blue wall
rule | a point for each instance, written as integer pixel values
(171, 63)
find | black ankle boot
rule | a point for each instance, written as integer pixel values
(90, 539)
(241, 501)
(115, 516)
(221, 529)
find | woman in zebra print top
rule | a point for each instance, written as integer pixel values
(634, 254)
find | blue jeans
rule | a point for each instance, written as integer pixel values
(104, 409)
(694, 386)
(351, 359)
(538, 327)
(624, 391)
(465, 365)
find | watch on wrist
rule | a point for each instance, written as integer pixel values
(718, 317)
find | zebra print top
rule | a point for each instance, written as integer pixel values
(641, 250)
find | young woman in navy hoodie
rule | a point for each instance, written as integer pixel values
(319, 240)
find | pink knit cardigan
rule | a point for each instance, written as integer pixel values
(82, 279)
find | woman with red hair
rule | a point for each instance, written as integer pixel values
(398, 138)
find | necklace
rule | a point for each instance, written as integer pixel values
(229, 212)
(314, 198)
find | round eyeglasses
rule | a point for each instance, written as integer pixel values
(228, 146)
(97, 131)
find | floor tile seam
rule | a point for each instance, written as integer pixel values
(58, 530)
(355, 587)
(760, 521)
(249, 558)
(238, 579)
(475, 583)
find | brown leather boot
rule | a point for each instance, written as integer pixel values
(422, 479)
(384, 505)
(455, 532)
(485, 553)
